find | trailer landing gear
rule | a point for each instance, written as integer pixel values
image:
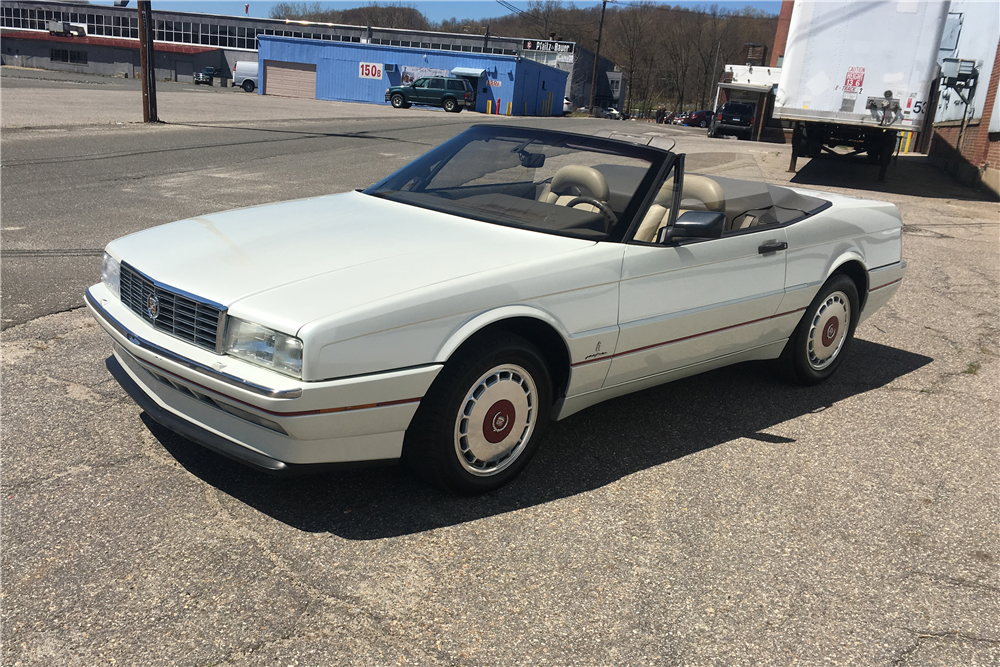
(817, 139)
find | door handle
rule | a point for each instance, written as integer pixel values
(772, 246)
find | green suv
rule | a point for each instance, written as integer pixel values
(448, 93)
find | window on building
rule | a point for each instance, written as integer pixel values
(68, 56)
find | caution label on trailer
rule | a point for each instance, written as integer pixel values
(854, 80)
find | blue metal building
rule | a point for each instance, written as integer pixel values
(352, 72)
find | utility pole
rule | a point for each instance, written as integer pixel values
(486, 39)
(147, 62)
(597, 56)
(711, 79)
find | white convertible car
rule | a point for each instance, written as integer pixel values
(508, 277)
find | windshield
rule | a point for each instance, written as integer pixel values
(553, 182)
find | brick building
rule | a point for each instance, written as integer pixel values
(977, 160)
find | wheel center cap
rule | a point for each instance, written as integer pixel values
(499, 421)
(830, 330)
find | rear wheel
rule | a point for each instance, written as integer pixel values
(823, 336)
(450, 105)
(248, 85)
(482, 419)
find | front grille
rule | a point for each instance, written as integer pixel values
(180, 315)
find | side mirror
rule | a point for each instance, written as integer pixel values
(694, 225)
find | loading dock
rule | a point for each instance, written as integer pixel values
(287, 79)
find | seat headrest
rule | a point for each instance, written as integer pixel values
(697, 190)
(585, 178)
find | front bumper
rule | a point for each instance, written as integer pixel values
(238, 412)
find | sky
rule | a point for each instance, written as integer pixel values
(434, 10)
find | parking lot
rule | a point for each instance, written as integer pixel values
(725, 519)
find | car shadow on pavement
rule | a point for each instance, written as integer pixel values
(911, 175)
(584, 452)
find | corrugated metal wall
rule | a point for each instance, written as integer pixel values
(511, 85)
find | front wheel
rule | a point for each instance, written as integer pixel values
(823, 336)
(703, 124)
(482, 419)
(397, 101)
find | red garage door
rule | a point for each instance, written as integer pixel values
(289, 79)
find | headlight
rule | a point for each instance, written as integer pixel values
(264, 347)
(111, 271)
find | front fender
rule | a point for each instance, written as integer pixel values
(483, 320)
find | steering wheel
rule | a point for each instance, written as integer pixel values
(605, 210)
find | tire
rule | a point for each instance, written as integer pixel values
(823, 337)
(703, 124)
(464, 436)
(450, 105)
(398, 101)
(248, 85)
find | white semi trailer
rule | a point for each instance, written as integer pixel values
(854, 74)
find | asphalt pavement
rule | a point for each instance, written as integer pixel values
(725, 519)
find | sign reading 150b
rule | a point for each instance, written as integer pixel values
(369, 71)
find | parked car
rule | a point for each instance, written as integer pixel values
(451, 94)
(567, 106)
(508, 277)
(612, 113)
(207, 75)
(245, 75)
(681, 117)
(733, 118)
(698, 119)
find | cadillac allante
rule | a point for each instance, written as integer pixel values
(508, 277)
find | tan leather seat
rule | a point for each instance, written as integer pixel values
(700, 193)
(575, 180)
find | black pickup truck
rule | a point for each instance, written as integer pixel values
(207, 75)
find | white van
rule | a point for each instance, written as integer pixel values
(245, 75)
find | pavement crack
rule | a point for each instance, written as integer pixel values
(74, 470)
(957, 581)
(923, 636)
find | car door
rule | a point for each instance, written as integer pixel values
(689, 303)
(418, 94)
(435, 91)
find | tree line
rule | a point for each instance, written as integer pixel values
(670, 55)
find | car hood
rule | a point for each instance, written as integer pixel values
(285, 265)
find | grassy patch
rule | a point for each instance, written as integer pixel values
(972, 368)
